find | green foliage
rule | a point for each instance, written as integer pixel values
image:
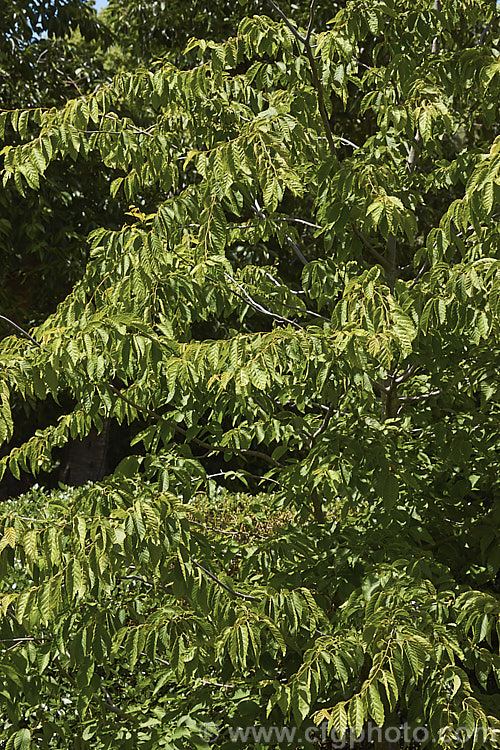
(301, 329)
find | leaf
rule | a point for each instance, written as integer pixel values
(357, 714)
(375, 705)
(338, 720)
(22, 739)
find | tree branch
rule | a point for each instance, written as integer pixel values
(419, 397)
(306, 41)
(214, 578)
(256, 208)
(292, 28)
(324, 425)
(247, 298)
(20, 330)
(311, 21)
(378, 256)
(214, 448)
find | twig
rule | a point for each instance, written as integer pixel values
(392, 269)
(419, 397)
(412, 156)
(145, 580)
(300, 221)
(256, 208)
(406, 374)
(246, 296)
(113, 707)
(439, 542)
(292, 28)
(296, 249)
(347, 142)
(311, 21)
(324, 425)
(219, 684)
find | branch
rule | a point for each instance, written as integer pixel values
(247, 298)
(247, 597)
(311, 21)
(392, 268)
(347, 142)
(112, 706)
(324, 425)
(145, 580)
(420, 397)
(306, 41)
(412, 156)
(378, 256)
(293, 307)
(439, 542)
(296, 249)
(406, 374)
(220, 684)
(300, 221)
(292, 28)
(214, 448)
(21, 330)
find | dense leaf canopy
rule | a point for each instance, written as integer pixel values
(298, 325)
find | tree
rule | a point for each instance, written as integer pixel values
(301, 323)
(51, 53)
